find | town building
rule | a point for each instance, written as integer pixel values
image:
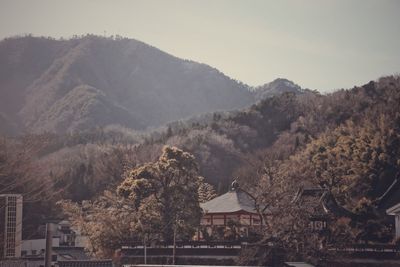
(390, 201)
(63, 236)
(395, 211)
(67, 245)
(10, 225)
(230, 216)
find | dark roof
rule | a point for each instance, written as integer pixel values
(321, 201)
(315, 192)
(71, 253)
(312, 198)
(233, 201)
(392, 195)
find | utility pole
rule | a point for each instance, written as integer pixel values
(145, 249)
(174, 249)
(49, 245)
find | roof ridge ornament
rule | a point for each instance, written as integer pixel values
(234, 185)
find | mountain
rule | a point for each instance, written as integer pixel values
(277, 86)
(68, 85)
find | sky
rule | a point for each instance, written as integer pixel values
(318, 44)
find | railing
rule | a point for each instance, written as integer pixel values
(86, 263)
(187, 244)
(370, 248)
(238, 244)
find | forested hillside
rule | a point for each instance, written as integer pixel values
(347, 141)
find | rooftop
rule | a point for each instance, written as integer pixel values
(392, 195)
(233, 201)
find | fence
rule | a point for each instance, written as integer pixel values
(86, 263)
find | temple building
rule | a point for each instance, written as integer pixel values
(230, 216)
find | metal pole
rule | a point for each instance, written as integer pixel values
(174, 249)
(49, 245)
(145, 250)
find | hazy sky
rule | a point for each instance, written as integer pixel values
(318, 44)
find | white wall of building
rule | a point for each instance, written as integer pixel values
(37, 246)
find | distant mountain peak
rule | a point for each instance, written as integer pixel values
(276, 87)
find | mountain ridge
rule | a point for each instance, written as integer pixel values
(123, 81)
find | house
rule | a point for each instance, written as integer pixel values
(391, 196)
(395, 211)
(390, 201)
(67, 245)
(64, 256)
(63, 236)
(229, 216)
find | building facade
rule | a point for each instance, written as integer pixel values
(10, 225)
(67, 245)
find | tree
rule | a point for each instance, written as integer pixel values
(107, 222)
(168, 187)
(152, 201)
(206, 191)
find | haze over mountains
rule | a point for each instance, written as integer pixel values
(70, 85)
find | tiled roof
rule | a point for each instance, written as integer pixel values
(321, 201)
(233, 201)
